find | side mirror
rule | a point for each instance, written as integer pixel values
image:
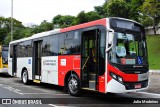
(110, 40)
(110, 37)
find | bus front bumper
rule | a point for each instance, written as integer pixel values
(116, 87)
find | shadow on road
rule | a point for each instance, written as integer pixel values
(5, 75)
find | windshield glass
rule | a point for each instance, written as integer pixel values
(5, 57)
(128, 48)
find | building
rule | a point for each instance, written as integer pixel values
(149, 30)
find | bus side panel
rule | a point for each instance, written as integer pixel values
(67, 63)
(50, 69)
(10, 66)
(101, 80)
(24, 63)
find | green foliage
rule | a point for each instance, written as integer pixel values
(117, 8)
(145, 20)
(83, 17)
(151, 8)
(153, 51)
(61, 21)
(100, 10)
(5, 28)
(44, 26)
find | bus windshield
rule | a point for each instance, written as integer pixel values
(5, 56)
(128, 48)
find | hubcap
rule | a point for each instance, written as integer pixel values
(73, 85)
(24, 77)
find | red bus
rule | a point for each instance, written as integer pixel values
(106, 55)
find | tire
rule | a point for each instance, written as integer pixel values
(25, 77)
(73, 85)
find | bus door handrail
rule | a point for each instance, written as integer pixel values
(85, 62)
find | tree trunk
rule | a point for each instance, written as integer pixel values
(154, 27)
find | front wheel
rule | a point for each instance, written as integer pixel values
(25, 77)
(73, 85)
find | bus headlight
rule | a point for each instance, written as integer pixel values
(120, 79)
(116, 77)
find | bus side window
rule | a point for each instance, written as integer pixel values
(69, 43)
(50, 45)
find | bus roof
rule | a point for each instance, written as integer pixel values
(47, 33)
(38, 35)
(84, 25)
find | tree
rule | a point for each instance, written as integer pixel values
(116, 8)
(5, 27)
(44, 26)
(83, 17)
(151, 8)
(134, 9)
(61, 21)
(91, 16)
(100, 10)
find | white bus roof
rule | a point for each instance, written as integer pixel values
(38, 35)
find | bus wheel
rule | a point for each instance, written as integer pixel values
(25, 77)
(73, 85)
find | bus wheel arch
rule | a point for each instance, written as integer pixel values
(72, 80)
(24, 76)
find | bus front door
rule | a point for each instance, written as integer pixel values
(37, 60)
(90, 60)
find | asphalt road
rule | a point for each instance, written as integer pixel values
(52, 96)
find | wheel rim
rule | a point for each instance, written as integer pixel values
(24, 77)
(73, 86)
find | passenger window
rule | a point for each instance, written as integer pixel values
(70, 43)
(50, 45)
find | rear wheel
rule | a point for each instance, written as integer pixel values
(25, 77)
(73, 85)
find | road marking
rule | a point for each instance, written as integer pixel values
(59, 106)
(13, 90)
(19, 91)
(36, 93)
(52, 105)
(150, 93)
(45, 93)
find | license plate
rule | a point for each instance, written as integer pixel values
(137, 86)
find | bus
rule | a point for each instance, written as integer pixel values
(106, 55)
(3, 59)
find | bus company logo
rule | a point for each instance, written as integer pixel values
(49, 62)
(6, 101)
(29, 61)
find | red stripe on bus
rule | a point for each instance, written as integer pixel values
(89, 24)
(126, 77)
